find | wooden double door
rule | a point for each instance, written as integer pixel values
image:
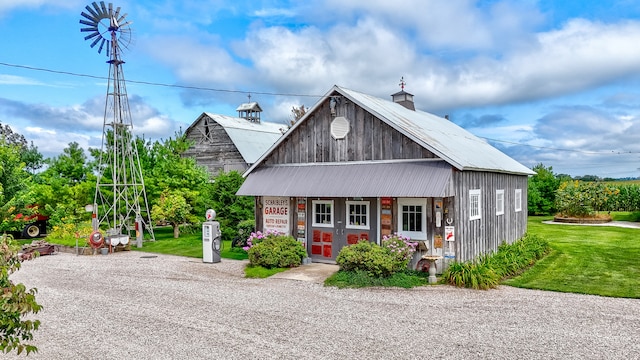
(337, 222)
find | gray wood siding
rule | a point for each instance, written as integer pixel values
(484, 235)
(213, 148)
(368, 139)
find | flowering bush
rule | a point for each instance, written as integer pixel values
(378, 261)
(275, 250)
(257, 237)
(400, 247)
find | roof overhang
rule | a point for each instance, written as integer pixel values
(351, 179)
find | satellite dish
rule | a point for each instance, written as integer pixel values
(107, 27)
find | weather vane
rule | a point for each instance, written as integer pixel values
(402, 83)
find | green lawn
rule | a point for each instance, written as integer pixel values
(598, 260)
(186, 245)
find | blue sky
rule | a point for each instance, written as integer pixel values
(552, 82)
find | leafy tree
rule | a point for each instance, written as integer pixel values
(14, 181)
(66, 186)
(297, 113)
(230, 209)
(172, 208)
(32, 159)
(169, 170)
(16, 302)
(542, 191)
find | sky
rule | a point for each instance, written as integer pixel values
(547, 82)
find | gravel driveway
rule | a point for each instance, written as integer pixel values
(129, 306)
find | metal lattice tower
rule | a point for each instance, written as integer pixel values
(120, 203)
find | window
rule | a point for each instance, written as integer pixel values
(474, 204)
(518, 200)
(412, 215)
(323, 213)
(357, 215)
(500, 202)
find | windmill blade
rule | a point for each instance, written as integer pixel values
(96, 41)
(91, 35)
(84, 22)
(89, 17)
(120, 20)
(95, 14)
(117, 13)
(125, 24)
(104, 9)
(98, 10)
(89, 29)
(110, 10)
(101, 45)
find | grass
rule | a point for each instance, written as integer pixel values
(597, 260)
(261, 272)
(189, 245)
(626, 216)
(359, 279)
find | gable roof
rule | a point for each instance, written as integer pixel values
(253, 106)
(450, 142)
(250, 138)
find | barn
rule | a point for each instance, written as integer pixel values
(361, 167)
(225, 143)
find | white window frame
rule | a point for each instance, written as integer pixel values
(518, 200)
(332, 213)
(367, 206)
(500, 202)
(414, 235)
(475, 204)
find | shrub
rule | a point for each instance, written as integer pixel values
(277, 250)
(244, 227)
(475, 275)
(401, 249)
(66, 234)
(488, 270)
(377, 261)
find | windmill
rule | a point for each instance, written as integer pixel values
(120, 204)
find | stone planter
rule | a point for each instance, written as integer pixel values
(585, 220)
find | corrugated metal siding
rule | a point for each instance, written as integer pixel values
(406, 179)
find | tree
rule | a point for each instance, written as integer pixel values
(171, 208)
(28, 154)
(542, 191)
(16, 302)
(230, 208)
(297, 113)
(65, 187)
(14, 181)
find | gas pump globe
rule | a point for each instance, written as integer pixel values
(211, 238)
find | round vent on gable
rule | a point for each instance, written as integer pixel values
(339, 128)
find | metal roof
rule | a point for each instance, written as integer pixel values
(426, 178)
(448, 141)
(444, 138)
(250, 138)
(249, 106)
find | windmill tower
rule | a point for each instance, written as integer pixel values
(120, 204)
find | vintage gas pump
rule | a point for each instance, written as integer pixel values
(211, 238)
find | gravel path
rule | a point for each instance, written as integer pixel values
(124, 306)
